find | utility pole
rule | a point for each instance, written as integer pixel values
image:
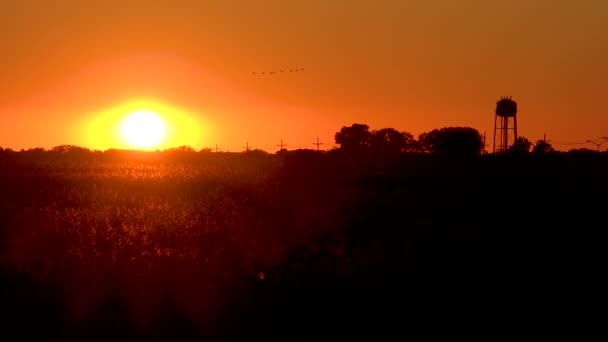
(215, 148)
(246, 147)
(318, 144)
(281, 146)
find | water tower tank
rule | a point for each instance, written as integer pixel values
(506, 108)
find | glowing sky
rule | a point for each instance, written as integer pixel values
(414, 65)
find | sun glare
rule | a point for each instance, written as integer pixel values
(143, 129)
(146, 125)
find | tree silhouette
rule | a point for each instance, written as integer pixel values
(182, 148)
(70, 149)
(520, 146)
(452, 141)
(542, 147)
(354, 138)
(582, 150)
(391, 140)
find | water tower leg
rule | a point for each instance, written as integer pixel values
(506, 133)
(494, 143)
(515, 127)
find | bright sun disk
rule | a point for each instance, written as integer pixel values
(143, 128)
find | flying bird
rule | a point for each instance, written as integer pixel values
(275, 72)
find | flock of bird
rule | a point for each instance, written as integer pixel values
(263, 73)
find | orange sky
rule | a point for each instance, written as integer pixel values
(413, 65)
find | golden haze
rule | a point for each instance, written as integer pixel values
(413, 65)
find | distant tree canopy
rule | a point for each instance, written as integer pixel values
(256, 153)
(70, 149)
(353, 138)
(358, 137)
(521, 146)
(181, 149)
(452, 141)
(582, 150)
(542, 147)
(391, 140)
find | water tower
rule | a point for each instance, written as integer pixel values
(505, 124)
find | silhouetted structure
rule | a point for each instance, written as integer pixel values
(318, 144)
(505, 124)
(282, 146)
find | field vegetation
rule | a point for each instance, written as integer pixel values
(186, 243)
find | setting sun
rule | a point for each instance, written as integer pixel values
(143, 128)
(147, 125)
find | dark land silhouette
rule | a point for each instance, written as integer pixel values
(386, 235)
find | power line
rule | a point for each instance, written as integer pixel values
(569, 143)
(592, 141)
(598, 138)
(604, 140)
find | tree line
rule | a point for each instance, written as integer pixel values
(447, 141)
(357, 138)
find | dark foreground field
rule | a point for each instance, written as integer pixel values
(187, 245)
